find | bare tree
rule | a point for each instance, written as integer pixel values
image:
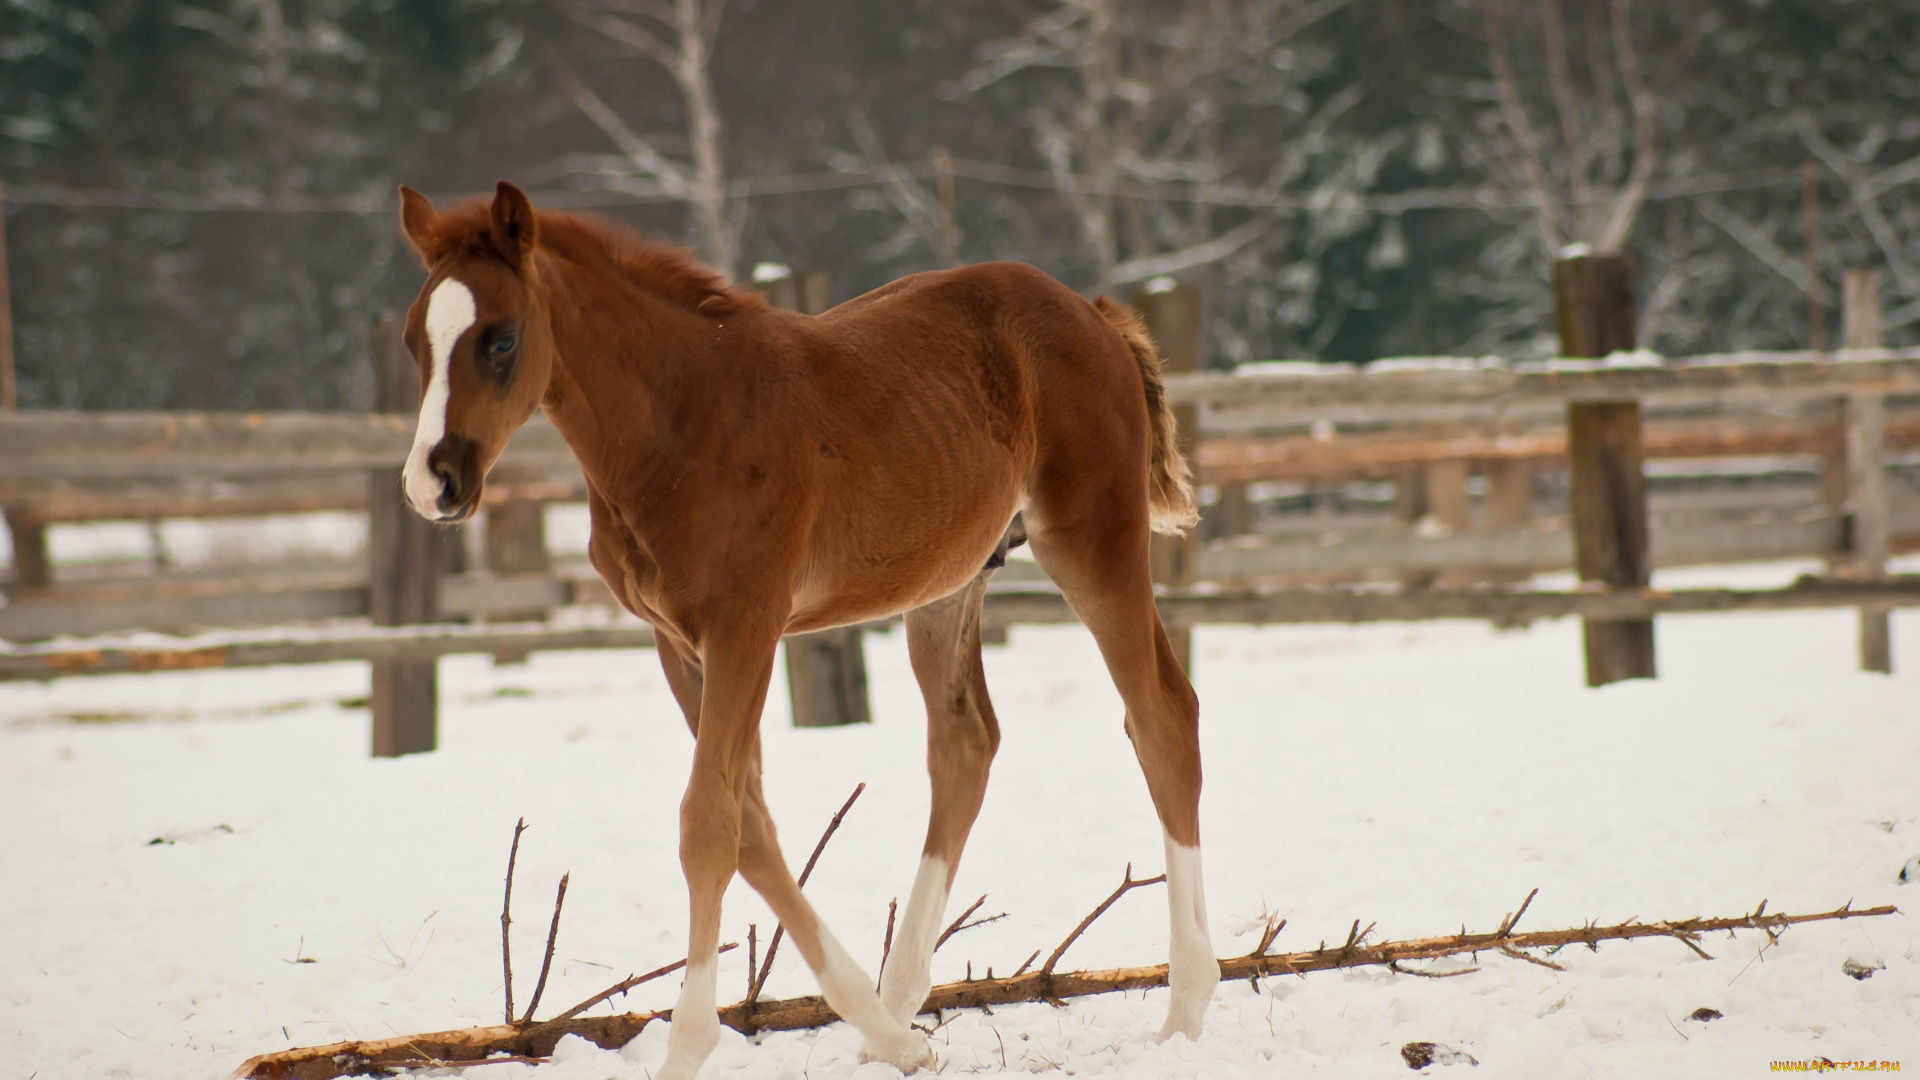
(1596, 194)
(679, 36)
(1144, 113)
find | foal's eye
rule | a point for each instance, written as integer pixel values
(502, 345)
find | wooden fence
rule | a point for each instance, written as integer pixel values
(1428, 429)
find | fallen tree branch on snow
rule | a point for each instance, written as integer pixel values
(523, 1042)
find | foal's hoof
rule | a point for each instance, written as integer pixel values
(1177, 1024)
(909, 1052)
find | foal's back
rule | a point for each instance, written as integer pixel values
(935, 402)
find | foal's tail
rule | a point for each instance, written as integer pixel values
(1169, 481)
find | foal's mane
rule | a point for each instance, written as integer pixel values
(595, 242)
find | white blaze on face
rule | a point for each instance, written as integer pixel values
(450, 312)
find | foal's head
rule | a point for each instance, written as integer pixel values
(481, 335)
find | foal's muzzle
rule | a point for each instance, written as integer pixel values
(455, 463)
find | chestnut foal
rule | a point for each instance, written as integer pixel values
(754, 472)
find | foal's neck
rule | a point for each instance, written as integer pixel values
(621, 352)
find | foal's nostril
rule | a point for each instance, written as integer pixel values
(454, 464)
(449, 485)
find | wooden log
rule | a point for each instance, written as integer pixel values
(405, 557)
(1867, 505)
(797, 1013)
(531, 1042)
(1173, 318)
(1594, 317)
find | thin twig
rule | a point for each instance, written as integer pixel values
(1267, 935)
(1027, 963)
(1127, 884)
(1507, 924)
(1394, 966)
(753, 954)
(954, 926)
(1772, 940)
(1518, 955)
(886, 944)
(1356, 936)
(627, 984)
(506, 915)
(546, 962)
(1687, 938)
(961, 923)
(780, 929)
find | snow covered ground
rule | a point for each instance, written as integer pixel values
(1421, 776)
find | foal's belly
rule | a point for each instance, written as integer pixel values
(848, 583)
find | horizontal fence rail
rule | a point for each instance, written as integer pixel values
(55, 445)
(1384, 393)
(1003, 609)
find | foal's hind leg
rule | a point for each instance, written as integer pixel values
(943, 640)
(1099, 560)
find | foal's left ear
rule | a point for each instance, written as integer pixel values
(420, 222)
(514, 228)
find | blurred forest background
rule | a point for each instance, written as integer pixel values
(200, 193)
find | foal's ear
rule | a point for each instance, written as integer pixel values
(514, 228)
(419, 220)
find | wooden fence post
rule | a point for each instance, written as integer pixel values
(1233, 509)
(1172, 316)
(1509, 495)
(1869, 523)
(1594, 315)
(515, 544)
(404, 563)
(32, 569)
(826, 671)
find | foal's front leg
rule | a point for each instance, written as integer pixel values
(723, 826)
(843, 982)
(731, 686)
